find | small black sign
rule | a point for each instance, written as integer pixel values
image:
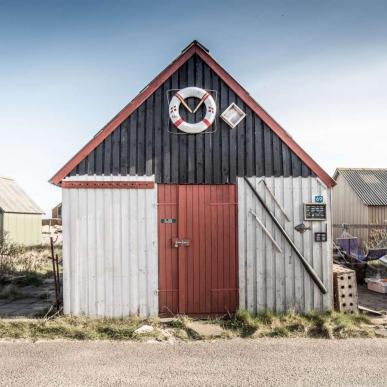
(320, 237)
(168, 220)
(314, 211)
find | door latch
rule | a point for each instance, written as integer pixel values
(181, 242)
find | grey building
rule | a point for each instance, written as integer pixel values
(20, 216)
(360, 202)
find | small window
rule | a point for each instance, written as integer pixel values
(233, 115)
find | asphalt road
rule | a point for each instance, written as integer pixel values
(224, 362)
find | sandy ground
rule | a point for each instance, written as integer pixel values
(270, 362)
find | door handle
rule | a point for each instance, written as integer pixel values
(181, 242)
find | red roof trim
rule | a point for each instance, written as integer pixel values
(158, 81)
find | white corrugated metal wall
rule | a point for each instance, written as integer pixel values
(277, 281)
(110, 257)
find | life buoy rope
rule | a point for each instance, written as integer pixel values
(204, 97)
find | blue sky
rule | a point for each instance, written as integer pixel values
(67, 67)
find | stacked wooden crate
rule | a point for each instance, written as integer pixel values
(345, 290)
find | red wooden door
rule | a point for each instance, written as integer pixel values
(200, 276)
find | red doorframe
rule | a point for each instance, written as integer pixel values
(200, 278)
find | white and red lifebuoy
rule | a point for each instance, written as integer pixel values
(204, 97)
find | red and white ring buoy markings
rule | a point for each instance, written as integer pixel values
(199, 93)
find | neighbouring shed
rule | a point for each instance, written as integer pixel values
(56, 212)
(20, 217)
(193, 200)
(360, 203)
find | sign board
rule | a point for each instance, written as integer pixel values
(168, 220)
(315, 211)
(318, 199)
(320, 237)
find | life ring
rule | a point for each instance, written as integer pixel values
(204, 97)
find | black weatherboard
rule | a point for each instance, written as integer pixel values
(147, 143)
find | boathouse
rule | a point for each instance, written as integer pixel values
(194, 200)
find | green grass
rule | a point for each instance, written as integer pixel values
(291, 324)
(76, 328)
(326, 325)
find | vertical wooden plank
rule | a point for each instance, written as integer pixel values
(260, 252)
(307, 248)
(224, 129)
(91, 252)
(116, 151)
(149, 136)
(133, 150)
(108, 252)
(208, 137)
(241, 143)
(277, 156)
(99, 159)
(134, 213)
(100, 247)
(270, 253)
(202, 228)
(67, 250)
(182, 138)
(191, 154)
(158, 134)
(220, 239)
(278, 186)
(182, 230)
(117, 273)
(233, 151)
(242, 242)
(91, 163)
(124, 251)
(194, 250)
(296, 165)
(124, 145)
(259, 148)
(199, 138)
(107, 162)
(298, 268)
(250, 249)
(286, 161)
(141, 254)
(208, 246)
(316, 248)
(141, 140)
(173, 157)
(161, 200)
(217, 144)
(289, 262)
(249, 157)
(268, 144)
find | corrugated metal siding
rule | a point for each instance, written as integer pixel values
(377, 215)
(110, 263)
(24, 229)
(142, 145)
(277, 281)
(348, 208)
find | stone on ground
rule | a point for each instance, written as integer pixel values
(205, 330)
(144, 329)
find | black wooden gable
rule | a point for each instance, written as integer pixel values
(147, 143)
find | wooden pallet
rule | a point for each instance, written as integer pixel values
(345, 290)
